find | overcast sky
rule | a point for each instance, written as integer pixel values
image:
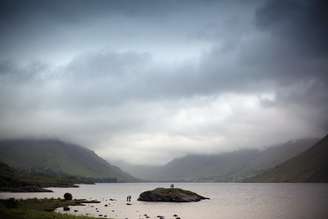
(148, 81)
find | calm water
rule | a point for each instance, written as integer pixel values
(228, 200)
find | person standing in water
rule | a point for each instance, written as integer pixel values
(128, 198)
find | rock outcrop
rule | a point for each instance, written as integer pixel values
(170, 195)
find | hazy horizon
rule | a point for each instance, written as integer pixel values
(148, 81)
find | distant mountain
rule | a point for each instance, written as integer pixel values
(14, 180)
(225, 167)
(58, 157)
(309, 166)
(144, 172)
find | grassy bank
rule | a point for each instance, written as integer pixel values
(35, 214)
(38, 209)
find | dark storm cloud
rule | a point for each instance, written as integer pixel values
(302, 23)
(76, 8)
(178, 76)
(13, 13)
(299, 51)
(12, 71)
(32, 28)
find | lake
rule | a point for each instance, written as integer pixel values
(227, 200)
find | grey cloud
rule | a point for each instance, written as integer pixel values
(111, 77)
(303, 23)
(294, 54)
(107, 83)
(15, 70)
(33, 28)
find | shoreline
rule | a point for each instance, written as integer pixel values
(40, 208)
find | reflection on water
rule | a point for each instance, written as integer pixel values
(228, 201)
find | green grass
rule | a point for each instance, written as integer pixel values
(36, 214)
(45, 204)
(37, 209)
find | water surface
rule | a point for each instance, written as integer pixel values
(227, 200)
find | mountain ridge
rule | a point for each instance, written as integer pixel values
(309, 166)
(226, 167)
(58, 156)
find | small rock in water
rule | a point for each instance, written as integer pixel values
(128, 204)
(160, 217)
(106, 205)
(66, 208)
(100, 215)
(75, 210)
(175, 215)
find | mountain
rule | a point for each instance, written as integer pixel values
(60, 157)
(14, 180)
(8, 178)
(309, 166)
(225, 167)
(144, 172)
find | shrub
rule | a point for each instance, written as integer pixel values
(68, 196)
(11, 203)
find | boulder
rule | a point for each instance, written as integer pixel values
(170, 195)
(68, 196)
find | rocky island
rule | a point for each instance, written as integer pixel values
(170, 195)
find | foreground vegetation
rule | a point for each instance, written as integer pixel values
(38, 209)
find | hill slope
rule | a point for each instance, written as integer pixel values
(8, 177)
(309, 166)
(22, 181)
(226, 167)
(59, 157)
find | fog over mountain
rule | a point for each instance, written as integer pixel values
(150, 81)
(309, 166)
(235, 166)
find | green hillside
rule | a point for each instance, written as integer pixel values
(58, 157)
(8, 178)
(23, 181)
(309, 166)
